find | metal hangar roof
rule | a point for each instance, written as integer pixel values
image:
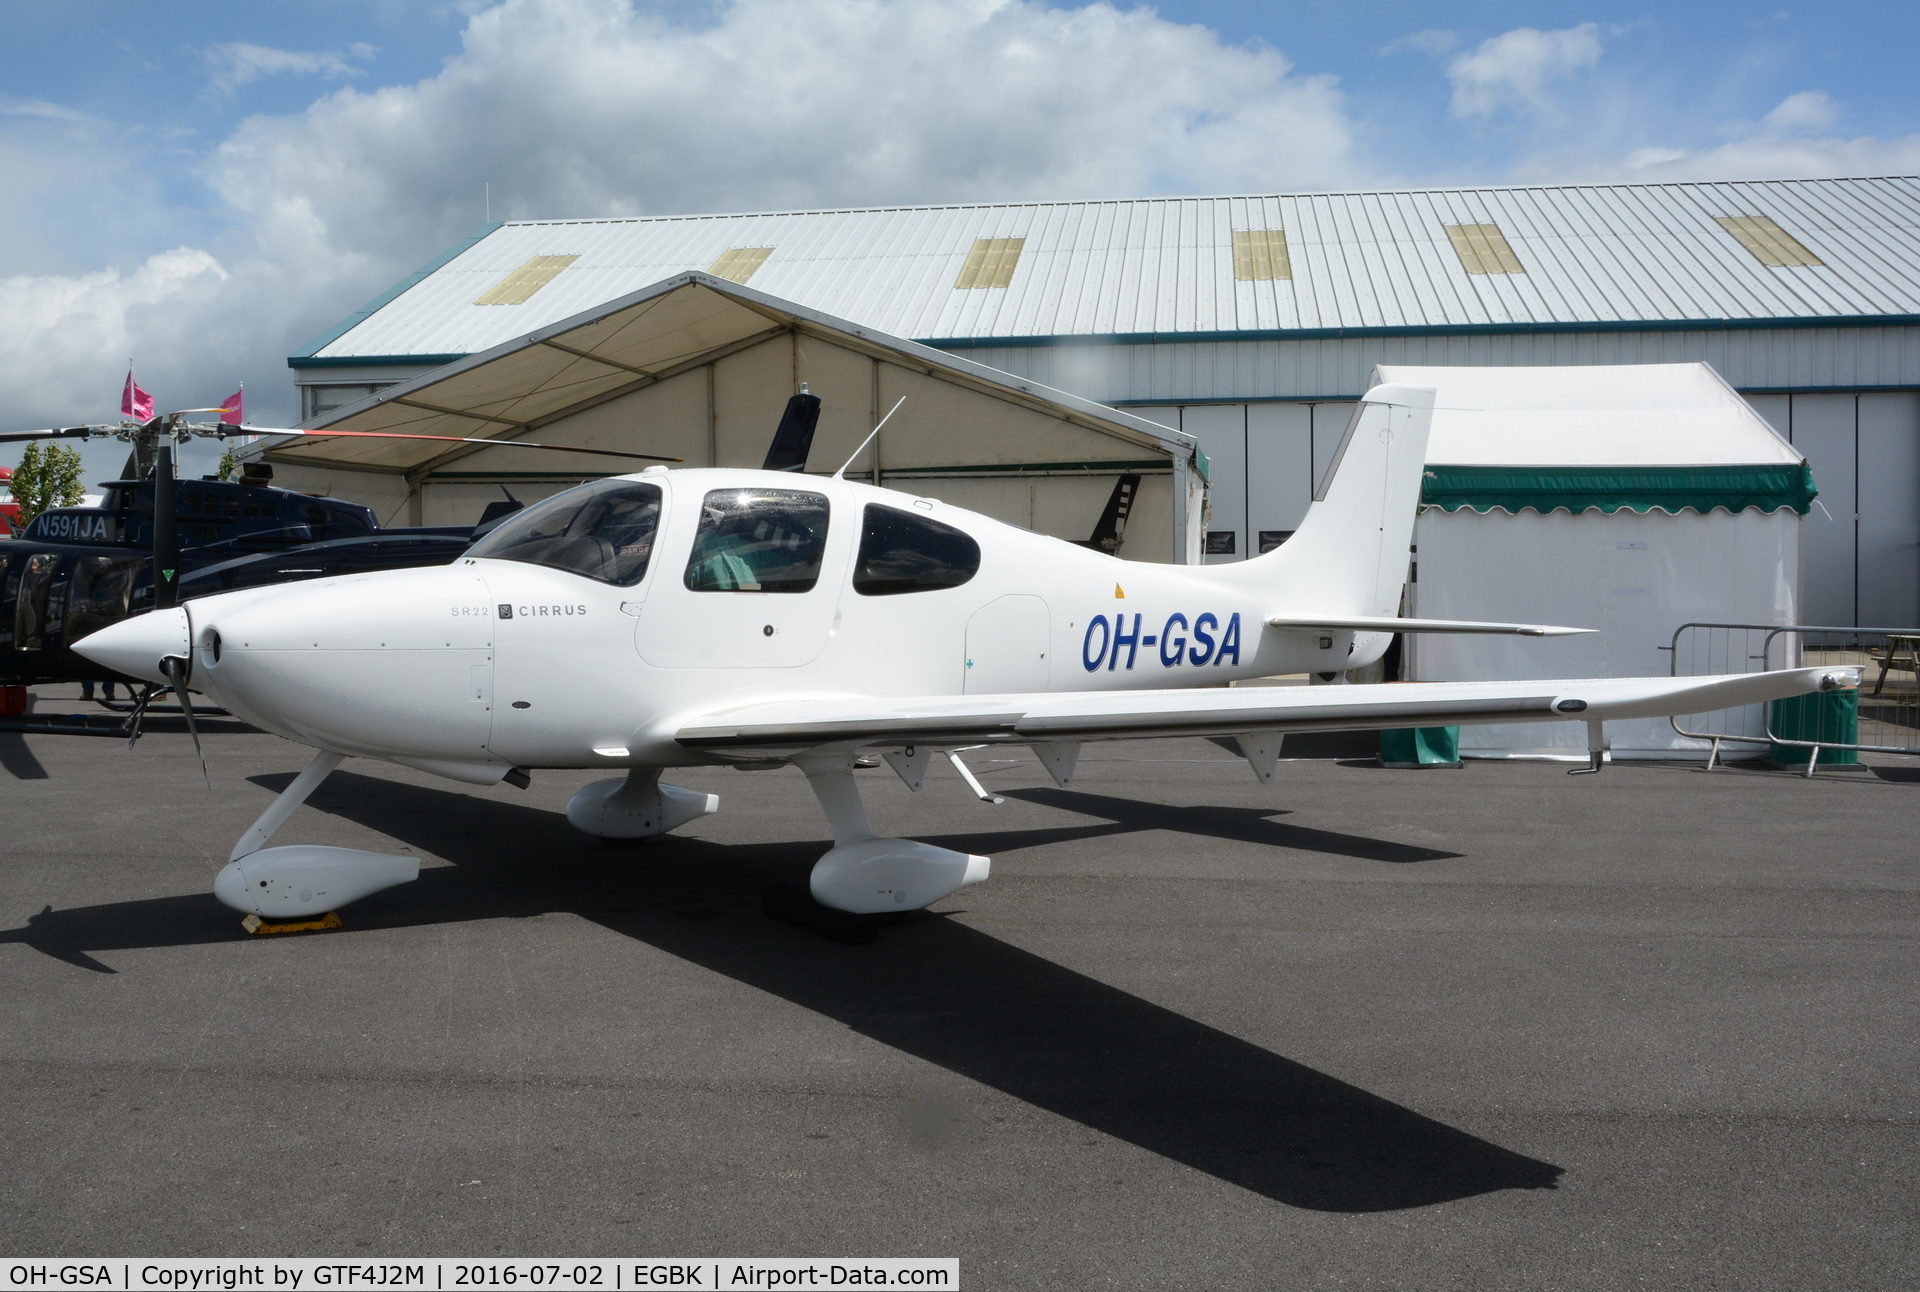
(1589, 257)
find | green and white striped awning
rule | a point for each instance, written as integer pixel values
(1768, 487)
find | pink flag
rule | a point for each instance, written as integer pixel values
(234, 410)
(136, 402)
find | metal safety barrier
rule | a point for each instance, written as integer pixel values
(1888, 719)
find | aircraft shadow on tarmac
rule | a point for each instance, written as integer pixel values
(933, 988)
(17, 760)
(1242, 825)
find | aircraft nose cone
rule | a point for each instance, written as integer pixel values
(136, 646)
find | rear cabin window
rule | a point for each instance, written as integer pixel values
(603, 531)
(903, 552)
(758, 540)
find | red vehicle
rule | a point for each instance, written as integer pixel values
(9, 509)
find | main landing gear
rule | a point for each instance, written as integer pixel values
(636, 807)
(861, 876)
(866, 875)
(864, 879)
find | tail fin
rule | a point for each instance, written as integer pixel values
(1349, 555)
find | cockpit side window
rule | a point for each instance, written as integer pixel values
(99, 592)
(603, 531)
(902, 552)
(759, 540)
(30, 602)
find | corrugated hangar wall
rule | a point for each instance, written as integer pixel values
(1269, 413)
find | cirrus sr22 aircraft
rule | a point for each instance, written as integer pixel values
(677, 618)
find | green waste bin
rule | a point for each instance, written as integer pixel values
(1420, 747)
(1824, 717)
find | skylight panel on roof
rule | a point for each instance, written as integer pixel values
(990, 263)
(1770, 244)
(1260, 255)
(738, 264)
(1483, 249)
(523, 282)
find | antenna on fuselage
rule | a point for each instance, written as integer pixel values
(870, 434)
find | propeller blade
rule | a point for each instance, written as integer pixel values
(146, 697)
(446, 439)
(177, 675)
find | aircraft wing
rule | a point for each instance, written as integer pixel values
(1396, 624)
(780, 727)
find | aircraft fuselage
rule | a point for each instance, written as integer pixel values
(492, 663)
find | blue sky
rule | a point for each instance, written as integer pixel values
(204, 187)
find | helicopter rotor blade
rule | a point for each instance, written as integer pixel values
(446, 439)
(51, 433)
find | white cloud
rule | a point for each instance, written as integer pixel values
(1773, 157)
(1642, 159)
(1434, 40)
(65, 341)
(583, 108)
(1793, 141)
(237, 63)
(1807, 112)
(587, 108)
(14, 106)
(1516, 69)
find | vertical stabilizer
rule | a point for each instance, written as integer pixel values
(1349, 556)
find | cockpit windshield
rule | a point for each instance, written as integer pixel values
(603, 530)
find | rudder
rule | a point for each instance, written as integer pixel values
(1350, 554)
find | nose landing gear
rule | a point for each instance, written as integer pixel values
(299, 880)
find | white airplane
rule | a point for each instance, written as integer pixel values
(683, 617)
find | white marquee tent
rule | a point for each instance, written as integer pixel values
(1630, 499)
(699, 368)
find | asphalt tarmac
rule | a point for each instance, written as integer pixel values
(1486, 1028)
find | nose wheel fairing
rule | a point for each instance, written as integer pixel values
(303, 879)
(308, 879)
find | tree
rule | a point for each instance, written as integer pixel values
(48, 476)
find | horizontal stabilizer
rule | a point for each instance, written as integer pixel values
(1395, 624)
